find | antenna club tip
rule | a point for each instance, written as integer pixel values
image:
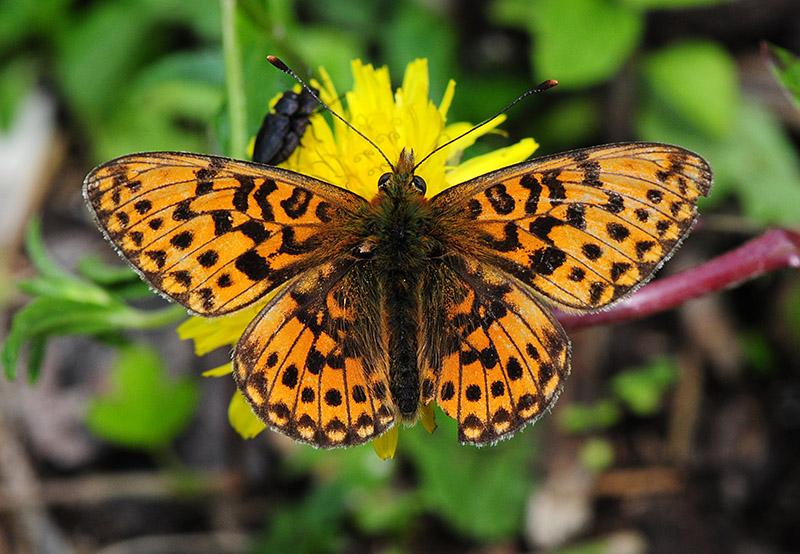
(274, 60)
(549, 84)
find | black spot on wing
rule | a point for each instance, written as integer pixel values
(242, 194)
(556, 191)
(508, 243)
(253, 266)
(297, 204)
(500, 200)
(261, 196)
(546, 260)
(576, 215)
(541, 226)
(530, 182)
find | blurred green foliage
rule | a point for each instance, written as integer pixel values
(639, 391)
(150, 74)
(95, 303)
(786, 67)
(144, 408)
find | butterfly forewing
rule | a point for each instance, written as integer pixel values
(580, 229)
(583, 228)
(211, 233)
(312, 363)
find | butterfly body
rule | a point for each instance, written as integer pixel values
(383, 306)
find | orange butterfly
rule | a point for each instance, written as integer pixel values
(390, 304)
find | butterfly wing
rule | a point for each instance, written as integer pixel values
(493, 358)
(583, 228)
(211, 233)
(312, 364)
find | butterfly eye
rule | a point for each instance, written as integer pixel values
(419, 183)
(384, 180)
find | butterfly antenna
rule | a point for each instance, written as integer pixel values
(285, 68)
(550, 83)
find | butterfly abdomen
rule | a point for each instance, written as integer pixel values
(400, 309)
(401, 219)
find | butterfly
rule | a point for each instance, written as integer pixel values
(383, 306)
(282, 129)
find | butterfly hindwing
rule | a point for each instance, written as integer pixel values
(312, 363)
(211, 233)
(583, 228)
(493, 358)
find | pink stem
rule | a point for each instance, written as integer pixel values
(775, 249)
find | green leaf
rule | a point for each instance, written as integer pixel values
(786, 68)
(386, 510)
(34, 246)
(23, 19)
(101, 51)
(580, 43)
(100, 74)
(585, 418)
(45, 317)
(169, 105)
(330, 47)
(67, 305)
(96, 270)
(597, 454)
(671, 4)
(36, 349)
(698, 82)
(572, 120)
(17, 80)
(312, 526)
(641, 389)
(757, 163)
(144, 409)
(120, 280)
(758, 352)
(481, 492)
(419, 31)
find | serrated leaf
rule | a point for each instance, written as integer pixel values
(46, 317)
(144, 408)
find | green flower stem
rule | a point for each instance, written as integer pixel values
(234, 81)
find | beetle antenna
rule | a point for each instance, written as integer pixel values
(285, 68)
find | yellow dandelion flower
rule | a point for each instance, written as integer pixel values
(393, 120)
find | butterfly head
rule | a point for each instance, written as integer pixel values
(402, 177)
